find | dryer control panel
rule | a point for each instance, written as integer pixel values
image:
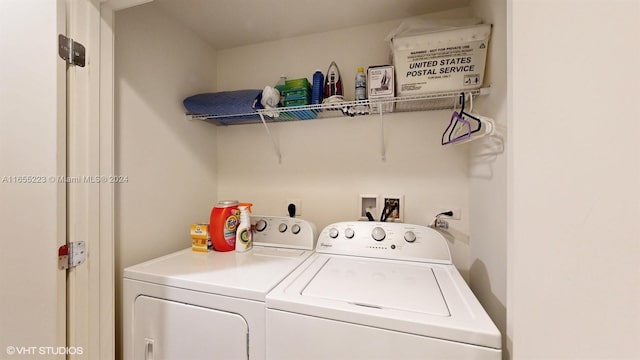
(384, 240)
(281, 231)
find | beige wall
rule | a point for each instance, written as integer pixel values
(488, 179)
(327, 163)
(254, 66)
(170, 162)
(553, 221)
(574, 201)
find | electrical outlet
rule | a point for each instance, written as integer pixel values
(457, 213)
(295, 202)
(442, 224)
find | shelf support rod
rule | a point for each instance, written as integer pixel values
(382, 145)
(276, 148)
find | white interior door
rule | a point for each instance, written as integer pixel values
(49, 132)
(32, 158)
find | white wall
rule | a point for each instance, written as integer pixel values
(32, 143)
(170, 162)
(574, 199)
(327, 163)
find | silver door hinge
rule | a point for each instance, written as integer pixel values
(71, 255)
(72, 52)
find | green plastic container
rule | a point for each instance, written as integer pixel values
(298, 102)
(297, 83)
(297, 94)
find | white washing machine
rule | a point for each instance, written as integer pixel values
(192, 305)
(378, 291)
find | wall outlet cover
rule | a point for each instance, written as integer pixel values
(457, 213)
(368, 203)
(395, 201)
(295, 202)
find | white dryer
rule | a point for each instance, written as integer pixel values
(191, 305)
(378, 291)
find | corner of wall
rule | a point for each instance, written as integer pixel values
(488, 179)
(170, 162)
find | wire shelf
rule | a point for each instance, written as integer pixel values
(431, 101)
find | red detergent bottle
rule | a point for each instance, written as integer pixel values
(223, 224)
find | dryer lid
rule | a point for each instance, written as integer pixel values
(378, 284)
(249, 275)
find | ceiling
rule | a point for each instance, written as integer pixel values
(232, 23)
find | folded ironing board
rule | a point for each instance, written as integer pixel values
(239, 105)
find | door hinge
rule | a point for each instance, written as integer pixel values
(71, 255)
(70, 51)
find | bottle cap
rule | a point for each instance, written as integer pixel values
(247, 205)
(360, 69)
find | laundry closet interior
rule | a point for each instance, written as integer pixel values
(178, 168)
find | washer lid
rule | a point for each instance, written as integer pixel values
(403, 287)
(408, 296)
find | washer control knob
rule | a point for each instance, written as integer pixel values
(349, 233)
(295, 229)
(282, 228)
(261, 225)
(333, 233)
(410, 236)
(378, 233)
